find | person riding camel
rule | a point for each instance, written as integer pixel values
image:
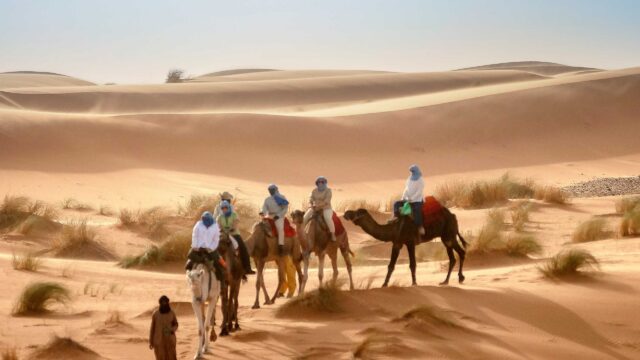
(414, 195)
(276, 206)
(320, 201)
(228, 221)
(204, 245)
(223, 196)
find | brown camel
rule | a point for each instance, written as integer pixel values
(322, 245)
(263, 247)
(403, 231)
(231, 286)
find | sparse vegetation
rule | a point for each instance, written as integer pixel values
(105, 210)
(569, 262)
(10, 354)
(26, 262)
(489, 238)
(173, 249)
(354, 204)
(591, 230)
(520, 214)
(325, 299)
(73, 204)
(37, 298)
(199, 203)
(486, 193)
(496, 216)
(67, 346)
(27, 216)
(431, 315)
(630, 223)
(78, 239)
(371, 344)
(175, 76)
(627, 204)
(522, 245)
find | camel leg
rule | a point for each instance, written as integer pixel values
(267, 300)
(395, 251)
(301, 278)
(411, 250)
(259, 268)
(197, 310)
(281, 277)
(235, 307)
(320, 268)
(224, 331)
(305, 275)
(347, 261)
(452, 263)
(461, 255)
(211, 310)
(334, 264)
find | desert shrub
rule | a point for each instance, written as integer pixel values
(175, 76)
(484, 193)
(630, 223)
(26, 262)
(569, 262)
(37, 297)
(27, 216)
(489, 239)
(126, 217)
(551, 195)
(10, 354)
(105, 210)
(13, 210)
(590, 230)
(520, 214)
(73, 204)
(174, 249)
(522, 245)
(355, 204)
(67, 346)
(325, 299)
(496, 217)
(75, 234)
(431, 315)
(627, 204)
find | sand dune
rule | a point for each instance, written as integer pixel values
(268, 74)
(25, 79)
(536, 67)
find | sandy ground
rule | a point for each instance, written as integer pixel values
(139, 146)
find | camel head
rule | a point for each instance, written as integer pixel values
(194, 277)
(297, 217)
(355, 215)
(225, 243)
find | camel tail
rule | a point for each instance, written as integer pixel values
(464, 243)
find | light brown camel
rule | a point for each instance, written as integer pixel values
(318, 231)
(231, 287)
(403, 231)
(263, 247)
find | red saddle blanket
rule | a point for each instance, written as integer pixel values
(431, 210)
(338, 224)
(289, 231)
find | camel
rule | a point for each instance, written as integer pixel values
(204, 286)
(231, 289)
(403, 231)
(322, 245)
(262, 246)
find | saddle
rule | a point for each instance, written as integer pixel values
(289, 231)
(337, 223)
(431, 210)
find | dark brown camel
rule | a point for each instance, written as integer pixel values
(322, 245)
(231, 287)
(403, 231)
(262, 246)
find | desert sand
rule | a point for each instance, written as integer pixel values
(140, 146)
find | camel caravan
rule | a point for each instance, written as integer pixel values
(219, 259)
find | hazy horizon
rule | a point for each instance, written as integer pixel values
(139, 42)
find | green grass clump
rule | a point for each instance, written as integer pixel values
(591, 230)
(174, 249)
(569, 262)
(37, 297)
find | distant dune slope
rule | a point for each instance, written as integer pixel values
(251, 96)
(22, 79)
(572, 121)
(536, 67)
(266, 74)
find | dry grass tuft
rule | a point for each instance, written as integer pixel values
(37, 297)
(371, 345)
(522, 246)
(551, 195)
(66, 347)
(591, 230)
(630, 223)
(26, 262)
(114, 317)
(627, 204)
(198, 203)
(431, 315)
(73, 204)
(355, 204)
(569, 262)
(496, 216)
(520, 214)
(325, 299)
(28, 216)
(79, 240)
(105, 210)
(490, 237)
(10, 354)
(173, 249)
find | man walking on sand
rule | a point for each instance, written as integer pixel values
(162, 334)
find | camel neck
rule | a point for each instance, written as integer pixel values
(386, 232)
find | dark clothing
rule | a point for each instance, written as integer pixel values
(162, 335)
(416, 211)
(210, 259)
(244, 254)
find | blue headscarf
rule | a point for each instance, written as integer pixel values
(416, 174)
(280, 200)
(229, 211)
(321, 183)
(207, 219)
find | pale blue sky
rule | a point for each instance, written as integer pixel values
(137, 41)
